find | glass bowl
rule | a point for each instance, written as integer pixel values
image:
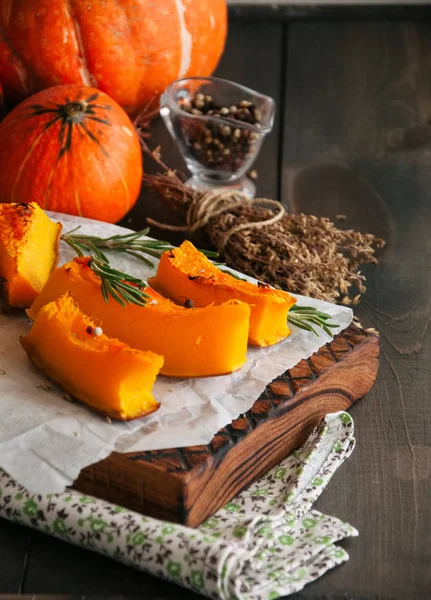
(219, 127)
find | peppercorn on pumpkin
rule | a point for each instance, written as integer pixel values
(64, 345)
(193, 341)
(29, 243)
(186, 272)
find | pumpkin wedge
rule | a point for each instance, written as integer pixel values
(186, 272)
(29, 243)
(101, 372)
(193, 341)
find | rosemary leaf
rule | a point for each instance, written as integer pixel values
(117, 284)
(234, 275)
(301, 324)
(104, 291)
(308, 309)
(148, 250)
(306, 320)
(143, 258)
(123, 299)
(130, 290)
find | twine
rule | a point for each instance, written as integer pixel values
(212, 204)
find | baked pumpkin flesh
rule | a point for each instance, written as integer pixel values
(102, 372)
(193, 341)
(186, 272)
(29, 251)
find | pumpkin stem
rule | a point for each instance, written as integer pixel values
(75, 109)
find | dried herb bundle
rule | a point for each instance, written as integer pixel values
(303, 254)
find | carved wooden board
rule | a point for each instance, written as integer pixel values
(187, 485)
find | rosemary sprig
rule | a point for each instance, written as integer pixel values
(129, 243)
(308, 317)
(117, 284)
(124, 288)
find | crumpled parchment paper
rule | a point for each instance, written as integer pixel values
(45, 440)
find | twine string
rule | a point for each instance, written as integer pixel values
(212, 204)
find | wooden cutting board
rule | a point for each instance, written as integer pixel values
(186, 485)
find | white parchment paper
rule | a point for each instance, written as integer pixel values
(45, 440)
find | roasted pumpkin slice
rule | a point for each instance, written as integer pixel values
(193, 341)
(104, 373)
(29, 251)
(186, 272)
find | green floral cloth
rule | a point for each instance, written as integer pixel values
(267, 542)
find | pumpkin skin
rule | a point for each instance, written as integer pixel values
(185, 271)
(194, 342)
(71, 149)
(63, 345)
(130, 49)
(29, 251)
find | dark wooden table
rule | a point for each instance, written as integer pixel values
(352, 136)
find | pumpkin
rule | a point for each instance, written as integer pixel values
(193, 341)
(71, 149)
(65, 345)
(130, 49)
(185, 271)
(29, 251)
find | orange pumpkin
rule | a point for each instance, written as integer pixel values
(71, 149)
(63, 344)
(130, 49)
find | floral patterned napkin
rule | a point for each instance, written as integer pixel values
(267, 542)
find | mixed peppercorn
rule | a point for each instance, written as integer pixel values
(221, 145)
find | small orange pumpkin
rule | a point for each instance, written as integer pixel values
(185, 271)
(66, 346)
(194, 342)
(71, 149)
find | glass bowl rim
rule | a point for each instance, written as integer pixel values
(167, 99)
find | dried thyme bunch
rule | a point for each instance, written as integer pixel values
(303, 254)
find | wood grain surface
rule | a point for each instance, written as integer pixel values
(358, 142)
(354, 106)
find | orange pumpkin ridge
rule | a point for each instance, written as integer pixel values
(71, 149)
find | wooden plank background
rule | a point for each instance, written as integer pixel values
(353, 137)
(357, 141)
